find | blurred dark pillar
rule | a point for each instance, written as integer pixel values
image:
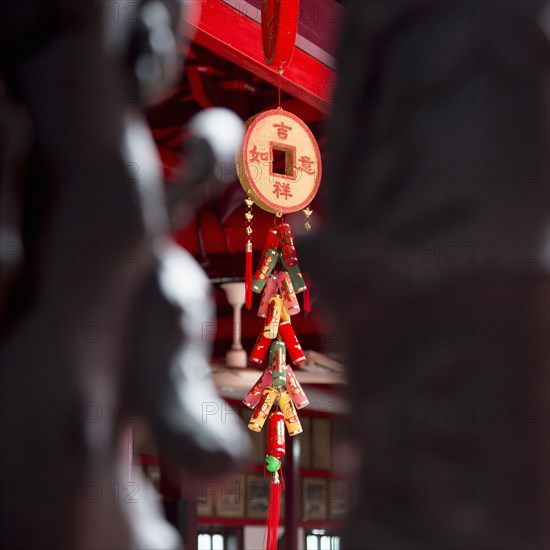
(292, 492)
(437, 195)
(182, 514)
(127, 444)
(192, 525)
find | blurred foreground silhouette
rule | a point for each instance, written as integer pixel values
(101, 316)
(438, 217)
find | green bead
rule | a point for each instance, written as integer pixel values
(272, 464)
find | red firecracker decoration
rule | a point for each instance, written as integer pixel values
(278, 385)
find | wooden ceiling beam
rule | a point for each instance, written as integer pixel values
(233, 35)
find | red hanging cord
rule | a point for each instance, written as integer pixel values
(307, 296)
(273, 512)
(280, 76)
(248, 275)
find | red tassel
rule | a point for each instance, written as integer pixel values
(273, 512)
(248, 275)
(307, 296)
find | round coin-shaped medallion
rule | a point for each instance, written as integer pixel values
(280, 163)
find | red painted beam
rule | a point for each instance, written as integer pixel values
(233, 35)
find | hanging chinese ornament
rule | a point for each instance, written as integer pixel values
(279, 168)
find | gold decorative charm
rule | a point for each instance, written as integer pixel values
(248, 252)
(308, 212)
(248, 215)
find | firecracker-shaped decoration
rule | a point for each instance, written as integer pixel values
(269, 289)
(288, 293)
(273, 319)
(261, 412)
(255, 394)
(295, 389)
(275, 439)
(278, 387)
(277, 395)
